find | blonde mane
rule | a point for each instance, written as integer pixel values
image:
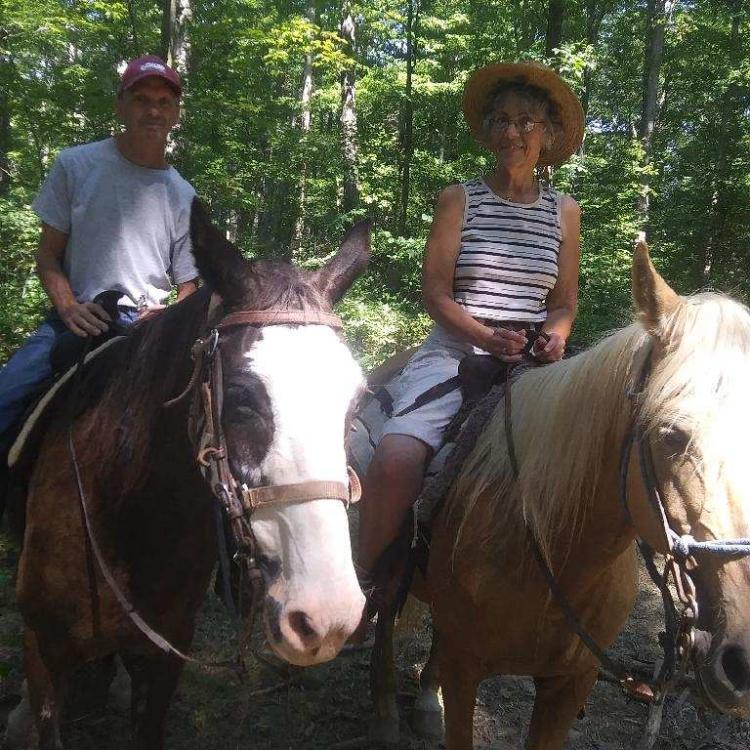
(565, 415)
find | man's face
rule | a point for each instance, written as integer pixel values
(149, 109)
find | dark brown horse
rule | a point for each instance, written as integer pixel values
(677, 382)
(288, 390)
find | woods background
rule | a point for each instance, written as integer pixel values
(301, 116)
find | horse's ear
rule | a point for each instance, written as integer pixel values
(338, 274)
(653, 296)
(219, 262)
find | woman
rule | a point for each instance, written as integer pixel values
(502, 256)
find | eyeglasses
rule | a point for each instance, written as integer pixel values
(523, 124)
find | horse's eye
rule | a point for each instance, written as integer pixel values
(674, 438)
(240, 397)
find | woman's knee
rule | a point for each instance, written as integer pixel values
(400, 457)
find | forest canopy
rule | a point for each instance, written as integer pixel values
(300, 117)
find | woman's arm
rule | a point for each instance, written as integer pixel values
(562, 300)
(438, 270)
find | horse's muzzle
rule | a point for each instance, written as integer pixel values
(723, 672)
(307, 635)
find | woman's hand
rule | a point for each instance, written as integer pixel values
(504, 344)
(550, 351)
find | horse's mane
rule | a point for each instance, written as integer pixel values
(565, 414)
(153, 365)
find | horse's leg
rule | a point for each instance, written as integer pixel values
(558, 702)
(20, 731)
(427, 719)
(385, 725)
(45, 686)
(153, 682)
(460, 677)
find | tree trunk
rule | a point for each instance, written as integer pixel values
(304, 126)
(555, 16)
(135, 39)
(4, 144)
(180, 41)
(595, 12)
(168, 15)
(175, 51)
(5, 134)
(175, 47)
(407, 113)
(307, 78)
(731, 105)
(656, 23)
(349, 146)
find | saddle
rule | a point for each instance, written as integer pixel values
(67, 353)
(478, 376)
(482, 380)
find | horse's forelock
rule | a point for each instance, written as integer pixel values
(700, 385)
(274, 284)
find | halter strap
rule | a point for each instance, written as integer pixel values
(301, 492)
(280, 317)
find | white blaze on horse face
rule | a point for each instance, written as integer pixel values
(311, 380)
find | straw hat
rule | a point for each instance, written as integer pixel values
(484, 82)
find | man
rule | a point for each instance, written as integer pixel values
(115, 216)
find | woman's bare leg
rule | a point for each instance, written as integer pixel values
(391, 486)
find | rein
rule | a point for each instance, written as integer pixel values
(680, 636)
(236, 501)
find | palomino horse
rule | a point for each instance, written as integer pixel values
(289, 387)
(492, 609)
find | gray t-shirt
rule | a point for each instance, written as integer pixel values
(128, 226)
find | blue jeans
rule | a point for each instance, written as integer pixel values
(29, 367)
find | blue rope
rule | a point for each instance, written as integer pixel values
(686, 546)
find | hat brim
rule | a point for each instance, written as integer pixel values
(483, 82)
(152, 74)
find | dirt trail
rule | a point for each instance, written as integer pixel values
(328, 706)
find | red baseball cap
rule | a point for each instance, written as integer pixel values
(149, 65)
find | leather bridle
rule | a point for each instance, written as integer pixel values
(236, 501)
(681, 636)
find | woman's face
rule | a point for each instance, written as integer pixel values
(514, 148)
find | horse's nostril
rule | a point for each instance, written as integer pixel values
(301, 624)
(736, 667)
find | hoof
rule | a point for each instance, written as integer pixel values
(20, 732)
(385, 731)
(427, 717)
(119, 690)
(428, 725)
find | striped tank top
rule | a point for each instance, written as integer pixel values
(507, 262)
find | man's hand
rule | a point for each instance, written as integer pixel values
(150, 312)
(85, 318)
